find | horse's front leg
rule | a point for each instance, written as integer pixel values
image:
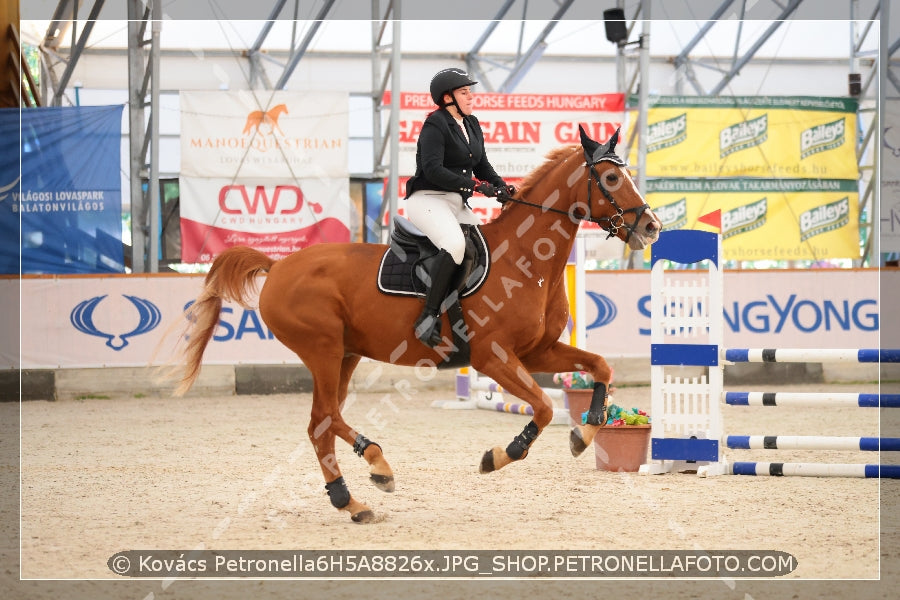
(561, 358)
(511, 374)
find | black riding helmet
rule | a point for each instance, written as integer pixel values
(446, 81)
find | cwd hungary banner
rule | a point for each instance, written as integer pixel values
(766, 219)
(263, 169)
(66, 202)
(519, 129)
(801, 137)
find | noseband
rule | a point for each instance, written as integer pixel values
(611, 224)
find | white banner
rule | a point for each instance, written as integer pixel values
(286, 135)
(519, 129)
(263, 169)
(890, 177)
(120, 321)
(762, 309)
(275, 217)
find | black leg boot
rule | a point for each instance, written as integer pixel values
(428, 325)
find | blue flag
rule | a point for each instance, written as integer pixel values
(62, 211)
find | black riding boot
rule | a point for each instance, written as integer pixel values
(428, 325)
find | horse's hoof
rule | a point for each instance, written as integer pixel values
(487, 462)
(385, 483)
(363, 516)
(576, 443)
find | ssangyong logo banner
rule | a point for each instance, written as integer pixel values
(266, 170)
(136, 321)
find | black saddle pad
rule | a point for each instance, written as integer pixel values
(397, 275)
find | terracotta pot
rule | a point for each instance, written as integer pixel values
(622, 448)
(578, 402)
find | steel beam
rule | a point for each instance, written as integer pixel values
(736, 67)
(297, 54)
(256, 70)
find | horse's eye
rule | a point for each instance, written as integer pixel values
(612, 178)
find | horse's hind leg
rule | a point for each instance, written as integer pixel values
(329, 392)
(379, 470)
(324, 417)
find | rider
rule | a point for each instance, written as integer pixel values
(449, 152)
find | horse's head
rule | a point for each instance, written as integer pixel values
(611, 199)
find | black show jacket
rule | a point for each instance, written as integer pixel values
(445, 161)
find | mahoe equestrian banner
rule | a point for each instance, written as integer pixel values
(801, 137)
(519, 129)
(766, 219)
(287, 135)
(264, 170)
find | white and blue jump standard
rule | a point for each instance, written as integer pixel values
(686, 330)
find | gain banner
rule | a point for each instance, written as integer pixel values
(751, 136)
(519, 129)
(265, 170)
(766, 219)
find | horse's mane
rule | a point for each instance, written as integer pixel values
(552, 160)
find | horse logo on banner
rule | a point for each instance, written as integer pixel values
(269, 118)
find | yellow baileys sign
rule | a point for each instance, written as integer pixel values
(822, 137)
(669, 132)
(743, 135)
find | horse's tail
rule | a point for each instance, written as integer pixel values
(231, 277)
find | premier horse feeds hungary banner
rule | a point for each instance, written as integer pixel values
(800, 137)
(267, 171)
(519, 129)
(67, 200)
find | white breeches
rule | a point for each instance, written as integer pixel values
(438, 215)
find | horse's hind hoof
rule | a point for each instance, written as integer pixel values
(576, 443)
(363, 516)
(385, 483)
(487, 462)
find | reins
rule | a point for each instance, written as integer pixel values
(610, 224)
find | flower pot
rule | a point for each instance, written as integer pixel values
(578, 402)
(621, 448)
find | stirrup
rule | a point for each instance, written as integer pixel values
(428, 329)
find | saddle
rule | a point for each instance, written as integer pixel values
(405, 271)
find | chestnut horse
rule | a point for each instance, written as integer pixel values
(323, 303)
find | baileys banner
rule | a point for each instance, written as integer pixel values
(782, 170)
(751, 136)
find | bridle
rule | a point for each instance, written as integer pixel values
(611, 224)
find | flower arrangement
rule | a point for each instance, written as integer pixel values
(616, 416)
(578, 380)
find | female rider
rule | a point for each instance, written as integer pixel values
(449, 156)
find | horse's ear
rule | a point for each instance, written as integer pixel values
(614, 140)
(589, 145)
